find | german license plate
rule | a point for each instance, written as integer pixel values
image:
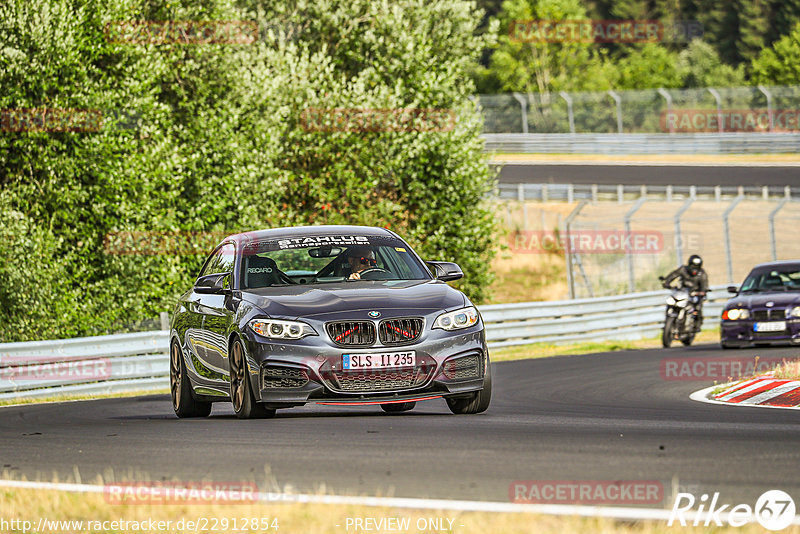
(772, 326)
(378, 360)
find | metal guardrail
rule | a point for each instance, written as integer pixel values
(544, 192)
(88, 365)
(140, 362)
(630, 316)
(595, 143)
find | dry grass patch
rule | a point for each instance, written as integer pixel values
(30, 505)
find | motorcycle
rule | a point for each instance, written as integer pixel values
(682, 319)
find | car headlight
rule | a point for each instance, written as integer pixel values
(458, 319)
(277, 329)
(735, 314)
(794, 312)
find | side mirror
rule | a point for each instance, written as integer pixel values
(445, 270)
(213, 284)
(733, 289)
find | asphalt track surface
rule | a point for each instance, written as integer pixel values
(638, 174)
(604, 416)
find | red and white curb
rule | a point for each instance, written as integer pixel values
(763, 391)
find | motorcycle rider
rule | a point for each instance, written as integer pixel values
(694, 279)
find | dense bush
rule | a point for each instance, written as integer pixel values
(211, 139)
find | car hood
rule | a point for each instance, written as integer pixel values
(779, 299)
(308, 301)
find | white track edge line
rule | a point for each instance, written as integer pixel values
(702, 396)
(653, 514)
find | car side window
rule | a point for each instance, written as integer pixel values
(221, 261)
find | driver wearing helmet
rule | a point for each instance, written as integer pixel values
(360, 259)
(692, 278)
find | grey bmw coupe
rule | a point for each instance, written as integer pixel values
(331, 315)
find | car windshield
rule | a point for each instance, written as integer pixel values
(779, 279)
(326, 259)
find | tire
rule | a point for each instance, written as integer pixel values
(242, 397)
(666, 334)
(687, 339)
(184, 404)
(396, 407)
(476, 403)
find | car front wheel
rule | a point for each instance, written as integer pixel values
(242, 397)
(477, 402)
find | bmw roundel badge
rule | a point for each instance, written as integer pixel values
(374, 314)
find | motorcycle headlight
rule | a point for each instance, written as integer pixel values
(277, 329)
(735, 314)
(794, 312)
(458, 319)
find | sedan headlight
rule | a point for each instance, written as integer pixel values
(458, 319)
(735, 314)
(277, 329)
(794, 312)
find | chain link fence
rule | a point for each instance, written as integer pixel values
(612, 248)
(737, 109)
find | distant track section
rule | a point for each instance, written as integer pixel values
(759, 174)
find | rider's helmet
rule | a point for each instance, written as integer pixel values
(694, 264)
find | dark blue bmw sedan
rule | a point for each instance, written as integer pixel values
(766, 308)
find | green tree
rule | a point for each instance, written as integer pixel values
(526, 66)
(779, 65)
(700, 66)
(219, 145)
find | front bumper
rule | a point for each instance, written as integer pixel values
(310, 371)
(741, 333)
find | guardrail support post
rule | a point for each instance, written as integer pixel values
(769, 106)
(716, 96)
(594, 193)
(787, 191)
(717, 193)
(693, 192)
(568, 247)
(678, 238)
(726, 228)
(570, 114)
(765, 192)
(620, 193)
(524, 109)
(618, 101)
(545, 193)
(669, 193)
(668, 98)
(628, 254)
(570, 193)
(164, 320)
(772, 215)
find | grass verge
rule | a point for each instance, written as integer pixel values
(67, 398)
(546, 350)
(31, 505)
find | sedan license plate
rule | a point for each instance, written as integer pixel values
(772, 326)
(378, 360)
